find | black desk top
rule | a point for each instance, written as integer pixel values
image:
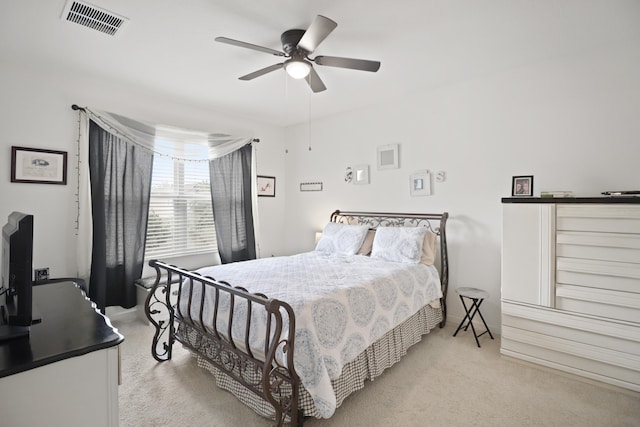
(71, 326)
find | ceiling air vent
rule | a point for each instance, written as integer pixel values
(93, 17)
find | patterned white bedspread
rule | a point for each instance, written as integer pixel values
(342, 305)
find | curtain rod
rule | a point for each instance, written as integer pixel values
(76, 107)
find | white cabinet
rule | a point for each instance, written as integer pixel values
(571, 287)
(75, 392)
(65, 373)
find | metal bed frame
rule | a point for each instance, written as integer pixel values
(278, 383)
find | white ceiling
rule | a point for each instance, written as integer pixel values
(168, 46)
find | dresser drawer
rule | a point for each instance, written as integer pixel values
(599, 218)
(609, 304)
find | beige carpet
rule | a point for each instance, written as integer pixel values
(442, 381)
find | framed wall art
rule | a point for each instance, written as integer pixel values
(420, 184)
(38, 166)
(266, 186)
(388, 156)
(310, 186)
(361, 175)
(522, 186)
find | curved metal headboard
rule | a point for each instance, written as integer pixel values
(434, 222)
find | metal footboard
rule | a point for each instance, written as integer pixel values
(176, 309)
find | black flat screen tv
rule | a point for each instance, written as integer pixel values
(16, 286)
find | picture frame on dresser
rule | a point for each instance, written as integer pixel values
(522, 186)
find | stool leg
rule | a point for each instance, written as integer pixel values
(485, 323)
(466, 316)
(474, 310)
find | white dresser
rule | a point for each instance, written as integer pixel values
(66, 372)
(571, 286)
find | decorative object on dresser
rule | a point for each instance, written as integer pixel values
(288, 352)
(522, 186)
(556, 194)
(631, 193)
(571, 285)
(38, 166)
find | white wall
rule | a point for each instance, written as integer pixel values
(35, 111)
(569, 117)
(570, 121)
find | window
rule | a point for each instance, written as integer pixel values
(180, 214)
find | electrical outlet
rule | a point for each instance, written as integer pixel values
(41, 273)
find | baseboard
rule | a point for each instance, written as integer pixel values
(570, 375)
(122, 314)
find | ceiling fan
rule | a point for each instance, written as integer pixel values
(297, 46)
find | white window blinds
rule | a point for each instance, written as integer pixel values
(180, 214)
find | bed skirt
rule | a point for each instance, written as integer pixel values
(371, 363)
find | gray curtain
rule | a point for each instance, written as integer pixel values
(230, 178)
(120, 174)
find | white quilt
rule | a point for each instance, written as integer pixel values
(342, 305)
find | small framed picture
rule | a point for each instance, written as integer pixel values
(420, 184)
(33, 165)
(310, 186)
(388, 156)
(522, 186)
(361, 174)
(266, 186)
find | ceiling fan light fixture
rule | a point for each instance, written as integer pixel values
(297, 68)
(297, 46)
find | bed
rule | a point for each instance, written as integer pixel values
(293, 336)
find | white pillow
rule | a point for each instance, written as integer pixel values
(342, 239)
(399, 244)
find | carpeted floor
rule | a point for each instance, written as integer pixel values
(442, 381)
